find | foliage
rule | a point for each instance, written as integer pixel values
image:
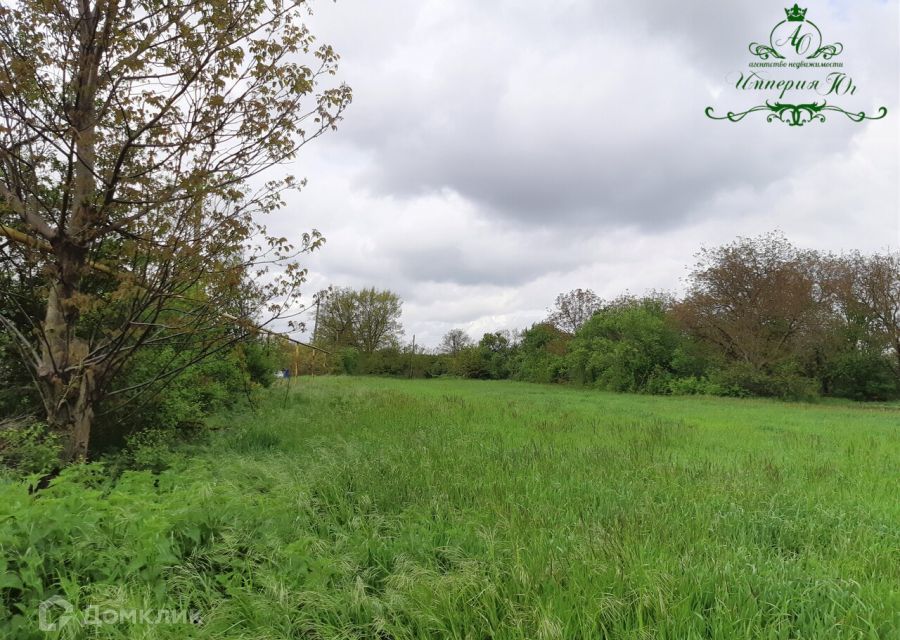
(490, 359)
(182, 406)
(757, 300)
(28, 447)
(863, 375)
(455, 341)
(259, 359)
(540, 356)
(366, 319)
(784, 382)
(348, 360)
(131, 139)
(630, 346)
(573, 309)
(698, 386)
(371, 508)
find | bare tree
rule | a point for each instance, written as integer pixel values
(573, 309)
(130, 134)
(455, 341)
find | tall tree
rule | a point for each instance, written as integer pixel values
(129, 135)
(573, 309)
(759, 300)
(455, 341)
(877, 291)
(368, 319)
(378, 319)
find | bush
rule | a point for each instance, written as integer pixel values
(489, 360)
(29, 447)
(632, 347)
(347, 361)
(150, 450)
(863, 375)
(784, 382)
(468, 363)
(260, 361)
(698, 386)
(182, 403)
(540, 357)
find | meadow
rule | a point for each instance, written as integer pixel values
(393, 509)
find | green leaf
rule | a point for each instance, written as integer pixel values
(10, 581)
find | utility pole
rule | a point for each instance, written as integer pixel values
(412, 355)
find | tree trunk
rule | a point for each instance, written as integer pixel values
(73, 417)
(67, 383)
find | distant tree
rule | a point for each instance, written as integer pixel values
(366, 319)
(336, 324)
(540, 355)
(455, 341)
(495, 350)
(378, 319)
(758, 300)
(858, 356)
(132, 136)
(573, 309)
(632, 345)
(878, 287)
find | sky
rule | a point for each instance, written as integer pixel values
(500, 152)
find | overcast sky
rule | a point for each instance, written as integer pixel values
(499, 152)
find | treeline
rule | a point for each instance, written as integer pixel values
(759, 317)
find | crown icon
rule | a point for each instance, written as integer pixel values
(796, 14)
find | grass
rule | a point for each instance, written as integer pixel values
(370, 508)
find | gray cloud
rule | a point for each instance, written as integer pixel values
(597, 120)
(500, 152)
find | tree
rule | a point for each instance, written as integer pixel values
(378, 319)
(540, 356)
(631, 345)
(573, 309)
(878, 287)
(455, 341)
(129, 135)
(367, 319)
(861, 358)
(758, 300)
(336, 325)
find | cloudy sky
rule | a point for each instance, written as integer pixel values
(499, 152)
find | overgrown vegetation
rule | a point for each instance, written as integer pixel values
(760, 317)
(376, 508)
(139, 148)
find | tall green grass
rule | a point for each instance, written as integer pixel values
(368, 508)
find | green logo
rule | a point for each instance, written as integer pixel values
(796, 46)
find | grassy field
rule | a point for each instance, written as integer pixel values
(369, 508)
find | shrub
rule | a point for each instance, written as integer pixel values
(182, 402)
(540, 357)
(150, 450)
(260, 361)
(863, 375)
(347, 360)
(629, 347)
(698, 386)
(29, 447)
(784, 382)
